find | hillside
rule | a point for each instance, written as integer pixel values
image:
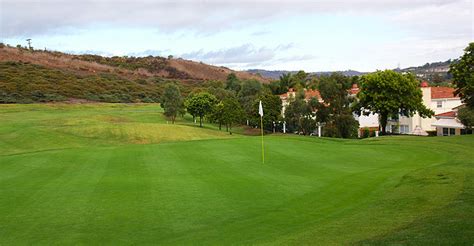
(129, 67)
(38, 76)
(435, 72)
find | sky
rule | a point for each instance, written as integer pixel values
(318, 35)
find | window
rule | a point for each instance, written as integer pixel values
(404, 129)
(466, 131)
(445, 131)
(439, 104)
(452, 131)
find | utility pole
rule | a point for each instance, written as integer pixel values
(29, 43)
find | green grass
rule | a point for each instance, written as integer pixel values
(118, 174)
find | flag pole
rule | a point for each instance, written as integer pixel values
(263, 149)
(260, 112)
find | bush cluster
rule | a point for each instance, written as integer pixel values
(27, 83)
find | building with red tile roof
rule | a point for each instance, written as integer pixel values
(447, 124)
(291, 93)
(442, 92)
(440, 99)
(450, 114)
(354, 90)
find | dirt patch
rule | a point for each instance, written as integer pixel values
(251, 131)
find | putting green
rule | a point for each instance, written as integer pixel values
(78, 175)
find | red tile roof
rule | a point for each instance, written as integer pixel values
(450, 114)
(354, 90)
(308, 94)
(424, 84)
(442, 92)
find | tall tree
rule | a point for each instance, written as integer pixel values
(299, 79)
(249, 92)
(172, 101)
(463, 75)
(232, 83)
(299, 115)
(201, 104)
(286, 81)
(390, 94)
(232, 112)
(217, 114)
(333, 89)
(250, 87)
(336, 112)
(271, 108)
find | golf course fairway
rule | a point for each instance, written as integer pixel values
(118, 174)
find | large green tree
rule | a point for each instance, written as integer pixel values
(463, 75)
(227, 112)
(336, 112)
(172, 102)
(232, 112)
(232, 83)
(300, 114)
(286, 81)
(250, 91)
(201, 104)
(217, 114)
(390, 94)
(250, 87)
(299, 79)
(271, 110)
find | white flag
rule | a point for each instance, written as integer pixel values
(260, 109)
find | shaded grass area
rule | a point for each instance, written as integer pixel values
(77, 176)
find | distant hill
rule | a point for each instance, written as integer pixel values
(275, 74)
(42, 76)
(436, 72)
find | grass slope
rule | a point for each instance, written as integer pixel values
(76, 174)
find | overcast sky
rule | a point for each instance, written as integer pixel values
(319, 35)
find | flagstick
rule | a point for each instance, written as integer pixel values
(263, 149)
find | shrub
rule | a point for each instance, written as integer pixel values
(365, 132)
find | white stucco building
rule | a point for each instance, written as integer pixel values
(438, 99)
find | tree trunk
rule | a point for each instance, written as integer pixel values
(200, 121)
(220, 125)
(383, 122)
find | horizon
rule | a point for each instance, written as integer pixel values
(312, 36)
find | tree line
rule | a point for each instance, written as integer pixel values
(223, 103)
(236, 102)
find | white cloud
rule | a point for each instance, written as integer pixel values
(246, 53)
(431, 29)
(25, 17)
